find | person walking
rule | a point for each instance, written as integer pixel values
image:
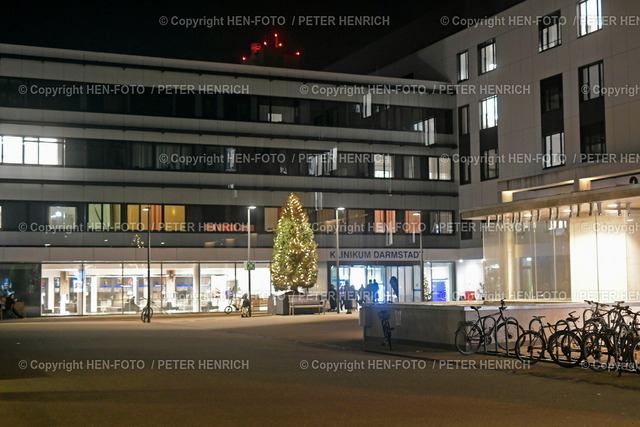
(9, 306)
(331, 296)
(246, 304)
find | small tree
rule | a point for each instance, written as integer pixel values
(295, 260)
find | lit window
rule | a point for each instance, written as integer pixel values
(464, 119)
(319, 164)
(554, 150)
(489, 112)
(12, 149)
(549, 31)
(104, 217)
(31, 150)
(383, 166)
(62, 216)
(174, 218)
(384, 221)
(487, 56)
(366, 105)
(439, 169)
(275, 117)
(428, 129)
(589, 17)
(591, 81)
(412, 221)
(49, 153)
(271, 217)
(463, 66)
(441, 222)
(230, 161)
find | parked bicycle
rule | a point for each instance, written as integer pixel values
(615, 345)
(384, 317)
(491, 329)
(532, 345)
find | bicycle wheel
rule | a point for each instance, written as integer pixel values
(228, 309)
(507, 334)
(565, 348)
(530, 347)
(596, 352)
(468, 338)
(634, 356)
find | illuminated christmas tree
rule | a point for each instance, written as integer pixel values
(295, 260)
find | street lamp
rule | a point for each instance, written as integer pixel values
(338, 261)
(147, 209)
(419, 214)
(249, 209)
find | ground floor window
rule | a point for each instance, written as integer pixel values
(111, 288)
(570, 257)
(400, 283)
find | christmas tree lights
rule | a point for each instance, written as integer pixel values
(295, 260)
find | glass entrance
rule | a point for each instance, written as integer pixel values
(390, 283)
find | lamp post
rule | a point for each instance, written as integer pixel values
(419, 215)
(147, 209)
(249, 209)
(338, 261)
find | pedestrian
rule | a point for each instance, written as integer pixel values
(350, 295)
(342, 297)
(361, 295)
(9, 306)
(331, 296)
(393, 282)
(246, 304)
(374, 291)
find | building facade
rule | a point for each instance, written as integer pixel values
(115, 168)
(547, 107)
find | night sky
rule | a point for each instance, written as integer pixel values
(133, 27)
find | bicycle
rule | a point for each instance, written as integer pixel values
(233, 306)
(565, 344)
(470, 335)
(532, 345)
(384, 317)
(616, 342)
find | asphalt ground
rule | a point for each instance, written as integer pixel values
(280, 370)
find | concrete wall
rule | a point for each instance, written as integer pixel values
(434, 325)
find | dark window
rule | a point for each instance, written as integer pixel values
(592, 139)
(489, 164)
(551, 93)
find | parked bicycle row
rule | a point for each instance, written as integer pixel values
(604, 337)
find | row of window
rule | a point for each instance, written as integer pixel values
(72, 217)
(110, 154)
(29, 93)
(589, 19)
(592, 124)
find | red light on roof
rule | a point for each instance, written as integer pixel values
(297, 53)
(244, 58)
